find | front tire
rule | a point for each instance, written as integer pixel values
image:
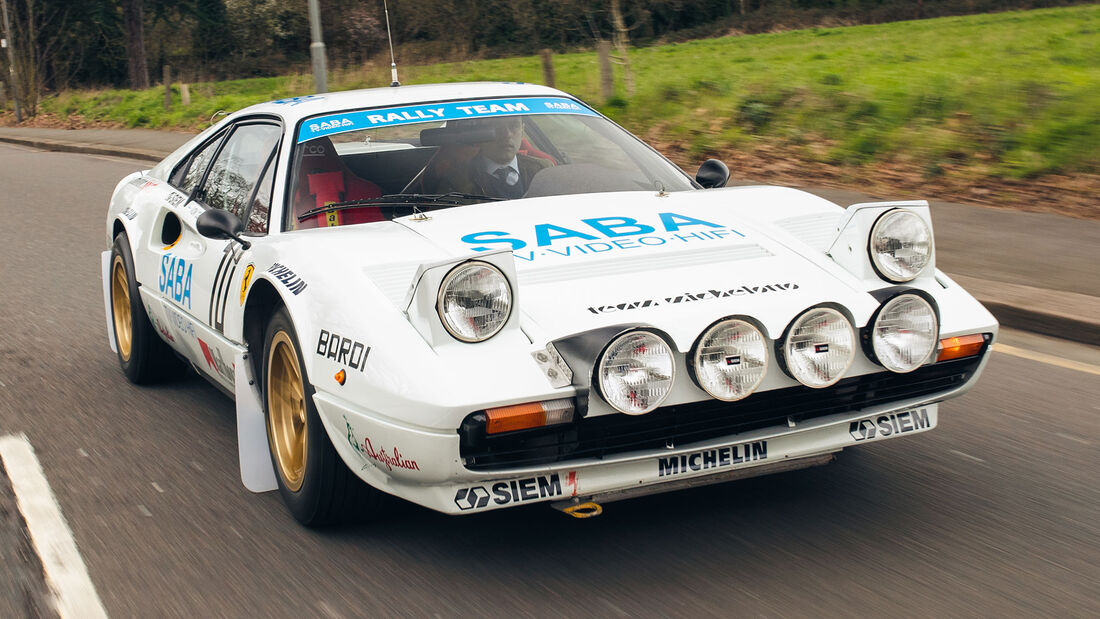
(316, 485)
(142, 355)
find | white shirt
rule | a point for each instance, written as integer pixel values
(491, 168)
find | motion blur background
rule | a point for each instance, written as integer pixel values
(984, 101)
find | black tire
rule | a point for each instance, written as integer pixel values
(143, 356)
(316, 485)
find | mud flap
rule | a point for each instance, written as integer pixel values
(257, 472)
(105, 259)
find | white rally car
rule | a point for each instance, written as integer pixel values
(476, 296)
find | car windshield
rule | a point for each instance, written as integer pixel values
(371, 165)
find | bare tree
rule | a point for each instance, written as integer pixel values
(620, 38)
(133, 16)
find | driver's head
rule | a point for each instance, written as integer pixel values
(509, 134)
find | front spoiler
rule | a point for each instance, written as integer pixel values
(405, 471)
(782, 466)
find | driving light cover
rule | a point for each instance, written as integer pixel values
(730, 360)
(475, 301)
(900, 245)
(819, 348)
(905, 333)
(635, 372)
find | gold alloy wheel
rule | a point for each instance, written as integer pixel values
(120, 308)
(286, 418)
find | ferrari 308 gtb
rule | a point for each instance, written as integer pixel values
(477, 296)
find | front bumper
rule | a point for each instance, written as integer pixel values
(424, 466)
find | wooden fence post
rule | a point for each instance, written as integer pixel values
(548, 68)
(3, 98)
(167, 87)
(607, 79)
(185, 95)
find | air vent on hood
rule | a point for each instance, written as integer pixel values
(814, 230)
(393, 279)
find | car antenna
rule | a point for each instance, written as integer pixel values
(389, 37)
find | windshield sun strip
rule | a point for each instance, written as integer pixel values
(344, 122)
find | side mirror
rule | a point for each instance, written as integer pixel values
(218, 224)
(712, 173)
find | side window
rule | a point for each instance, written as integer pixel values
(261, 204)
(237, 169)
(189, 174)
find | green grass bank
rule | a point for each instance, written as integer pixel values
(1006, 95)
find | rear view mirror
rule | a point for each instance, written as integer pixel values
(712, 173)
(218, 224)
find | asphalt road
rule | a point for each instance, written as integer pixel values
(995, 513)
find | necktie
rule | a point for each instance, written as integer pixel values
(504, 173)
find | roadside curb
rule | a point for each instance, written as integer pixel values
(91, 149)
(1065, 315)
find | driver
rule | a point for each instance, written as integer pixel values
(498, 169)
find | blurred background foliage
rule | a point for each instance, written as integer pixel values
(957, 99)
(83, 43)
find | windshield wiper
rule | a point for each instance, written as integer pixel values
(454, 198)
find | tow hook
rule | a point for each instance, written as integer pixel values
(579, 508)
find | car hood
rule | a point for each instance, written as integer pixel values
(676, 261)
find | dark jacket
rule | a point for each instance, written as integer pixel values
(471, 178)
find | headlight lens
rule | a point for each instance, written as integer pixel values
(905, 333)
(731, 360)
(900, 245)
(820, 347)
(475, 301)
(636, 372)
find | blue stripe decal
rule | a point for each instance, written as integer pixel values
(389, 117)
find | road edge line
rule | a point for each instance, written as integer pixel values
(1042, 357)
(66, 574)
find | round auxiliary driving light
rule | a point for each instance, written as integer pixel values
(475, 301)
(819, 348)
(900, 245)
(905, 333)
(635, 372)
(730, 360)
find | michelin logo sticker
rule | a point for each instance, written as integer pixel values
(388, 117)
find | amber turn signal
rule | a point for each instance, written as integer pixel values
(528, 415)
(341, 376)
(961, 346)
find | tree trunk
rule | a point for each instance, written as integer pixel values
(28, 73)
(132, 15)
(620, 39)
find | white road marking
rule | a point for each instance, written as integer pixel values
(967, 456)
(66, 574)
(1041, 357)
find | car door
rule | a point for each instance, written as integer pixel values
(195, 274)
